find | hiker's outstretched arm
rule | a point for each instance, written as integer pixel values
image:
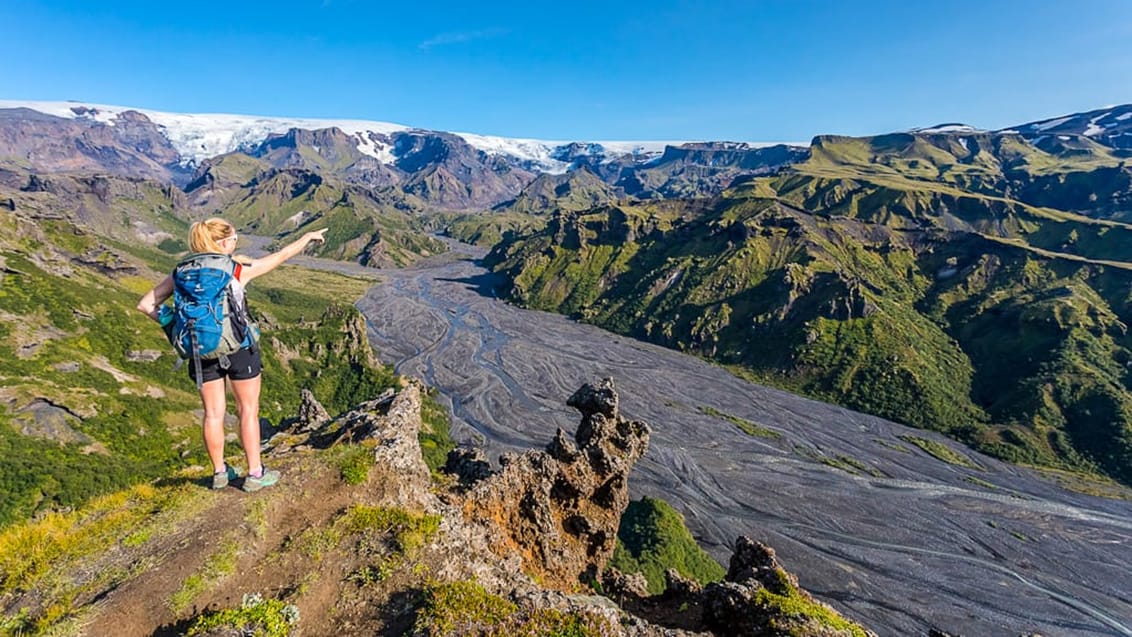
(263, 265)
(154, 298)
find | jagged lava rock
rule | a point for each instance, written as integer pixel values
(560, 508)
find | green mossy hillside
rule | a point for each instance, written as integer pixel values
(362, 224)
(91, 400)
(653, 538)
(868, 282)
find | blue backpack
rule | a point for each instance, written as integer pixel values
(209, 320)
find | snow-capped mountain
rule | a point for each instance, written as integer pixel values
(214, 153)
(1111, 126)
(948, 129)
(198, 137)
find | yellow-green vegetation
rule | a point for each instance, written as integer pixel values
(435, 439)
(43, 554)
(360, 225)
(217, 566)
(354, 462)
(1089, 484)
(979, 482)
(653, 538)
(852, 465)
(32, 550)
(409, 531)
(974, 285)
(892, 445)
(465, 609)
(88, 409)
(940, 451)
(294, 294)
(256, 617)
(488, 229)
(256, 517)
(316, 541)
(748, 427)
(796, 615)
(373, 527)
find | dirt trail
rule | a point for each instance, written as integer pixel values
(268, 527)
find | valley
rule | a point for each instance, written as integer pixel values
(971, 283)
(889, 534)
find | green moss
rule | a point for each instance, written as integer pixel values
(795, 614)
(410, 530)
(256, 617)
(217, 566)
(462, 608)
(465, 609)
(939, 451)
(653, 538)
(354, 463)
(852, 465)
(434, 437)
(748, 427)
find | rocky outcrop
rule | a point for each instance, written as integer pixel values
(560, 508)
(539, 530)
(312, 415)
(130, 145)
(449, 173)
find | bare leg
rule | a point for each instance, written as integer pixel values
(213, 398)
(247, 406)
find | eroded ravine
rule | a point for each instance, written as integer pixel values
(988, 551)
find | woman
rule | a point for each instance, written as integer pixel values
(217, 236)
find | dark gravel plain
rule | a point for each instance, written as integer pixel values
(891, 536)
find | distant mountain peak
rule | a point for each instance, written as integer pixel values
(948, 128)
(1111, 126)
(200, 136)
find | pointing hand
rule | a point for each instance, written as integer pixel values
(317, 235)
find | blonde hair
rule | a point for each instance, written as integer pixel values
(205, 236)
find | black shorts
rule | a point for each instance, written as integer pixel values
(242, 365)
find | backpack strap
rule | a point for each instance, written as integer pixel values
(196, 358)
(210, 260)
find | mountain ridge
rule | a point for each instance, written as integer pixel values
(201, 136)
(883, 271)
(905, 239)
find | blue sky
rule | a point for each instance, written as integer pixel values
(659, 70)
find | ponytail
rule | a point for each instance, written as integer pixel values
(205, 236)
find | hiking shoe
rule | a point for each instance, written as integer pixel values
(269, 477)
(220, 479)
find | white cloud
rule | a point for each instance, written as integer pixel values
(459, 37)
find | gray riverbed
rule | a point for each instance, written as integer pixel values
(997, 550)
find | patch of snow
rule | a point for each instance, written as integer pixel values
(1064, 138)
(1092, 128)
(367, 145)
(1052, 123)
(298, 218)
(1121, 118)
(963, 142)
(948, 128)
(535, 151)
(201, 136)
(1037, 140)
